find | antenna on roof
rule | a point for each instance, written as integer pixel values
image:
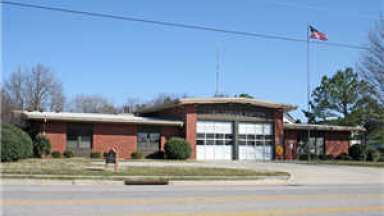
(217, 91)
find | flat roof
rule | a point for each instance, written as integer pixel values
(98, 117)
(220, 100)
(300, 126)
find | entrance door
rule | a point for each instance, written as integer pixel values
(255, 141)
(214, 140)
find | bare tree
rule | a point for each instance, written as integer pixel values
(15, 89)
(92, 104)
(162, 98)
(40, 85)
(131, 105)
(7, 106)
(371, 66)
(38, 89)
(58, 98)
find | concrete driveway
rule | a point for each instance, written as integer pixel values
(301, 173)
(323, 174)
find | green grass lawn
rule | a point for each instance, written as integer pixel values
(82, 168)
(346, 163)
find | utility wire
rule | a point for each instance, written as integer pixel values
(177, 25)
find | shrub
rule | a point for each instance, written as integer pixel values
(95, 155)
(156, 155)
(177, 148)
(15, 143)
(344, 156)
(356, 152)
(68, 154)
(373, 155)
(381, 158)
(329, 157)
(41, 146)
(56, 154)
(305, 156)
(137, 155)
(323, 157)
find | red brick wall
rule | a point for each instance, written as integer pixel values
(337, 143)
(56, 133)
(167, 132)
(187, 114)
(278, 128)
(190, 127)
(107, 135)
(290, 140)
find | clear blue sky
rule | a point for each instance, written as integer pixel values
(119, 59)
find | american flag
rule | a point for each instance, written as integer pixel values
(316, 34)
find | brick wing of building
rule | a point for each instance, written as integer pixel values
(216, 128)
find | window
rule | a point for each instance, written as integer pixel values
(79, 139)
(316, 143)
(258, 134)
(214, 133)
(148, 142)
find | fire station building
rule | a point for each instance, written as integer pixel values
(216, 128)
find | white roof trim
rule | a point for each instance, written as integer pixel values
(98, 117)
(220, 100)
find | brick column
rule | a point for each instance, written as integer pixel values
(107, 136)
(56, 132)
(190, 127)
(290, 144)
(168, 132)
(279, 129)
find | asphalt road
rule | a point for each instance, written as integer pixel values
(217, 200)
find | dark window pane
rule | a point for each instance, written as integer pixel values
(241, 142)
(219, 142)
(269, 137)
(228, 136)
(210, 136)
(209, 142)
(251, 142)
(219, 136)
(228, 142)
(251, 137)
(242, 137)
(199, 142)
(260, 137)
(259, 143)
(200, 136)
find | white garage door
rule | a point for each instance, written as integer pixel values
(255, 141)
(214, 140)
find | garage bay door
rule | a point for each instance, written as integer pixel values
(255, 141)
(214, 140)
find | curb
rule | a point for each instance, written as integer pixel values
(230, 183)
(46, 182)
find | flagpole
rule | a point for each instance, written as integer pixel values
(308, 91)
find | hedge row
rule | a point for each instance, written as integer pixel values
(355, 152)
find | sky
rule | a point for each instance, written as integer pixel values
(121, 60)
